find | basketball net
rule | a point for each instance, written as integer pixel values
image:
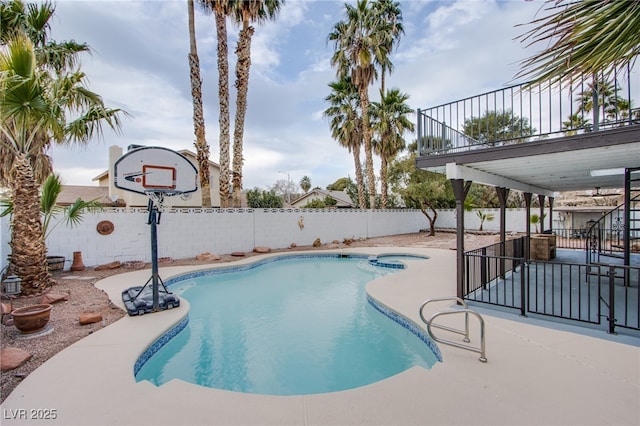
(162, 200)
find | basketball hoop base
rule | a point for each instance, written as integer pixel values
(139, 300)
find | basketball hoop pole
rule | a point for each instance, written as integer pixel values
(153, 221)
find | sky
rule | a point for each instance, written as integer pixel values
(450, 50)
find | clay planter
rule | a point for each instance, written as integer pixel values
(31, 319)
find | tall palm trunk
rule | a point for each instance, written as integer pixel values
(28, 250)
(384, 185)
(384, 197)
(359, 177)
(243, 52)
(223, 97)
(202, 148)
(368, 149)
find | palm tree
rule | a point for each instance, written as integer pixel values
(245, 12)
(222, 9)
(390, 15)
(389, 121)
(604, 95)
(305, 183)
(582, 38)
(535, 220)
(358, 43)
(574, 122)
(39, 106)
(202, 148)
(346, 125)
(484, 217)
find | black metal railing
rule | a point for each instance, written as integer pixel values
(486, 264)
(605, 237)
(525, 112)
(571, 291)
(571, 238)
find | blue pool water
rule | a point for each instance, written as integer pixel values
(291, 326)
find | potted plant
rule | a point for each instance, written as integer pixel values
(54, 214)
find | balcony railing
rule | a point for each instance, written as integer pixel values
(524, 113)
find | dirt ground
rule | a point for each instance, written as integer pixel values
(83, 297)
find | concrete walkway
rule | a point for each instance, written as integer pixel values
(534, 375)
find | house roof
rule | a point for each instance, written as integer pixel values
(342, 198)
(582, 209)
(70, 193)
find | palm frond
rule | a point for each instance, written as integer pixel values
(75, 212)
(582, 37)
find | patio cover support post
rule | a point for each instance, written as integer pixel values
(527, 204)
(460, 191)
(419, 129)
(541, 200)
(551, 213)
(503, 193)
(627, 221)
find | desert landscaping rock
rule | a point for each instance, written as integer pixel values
(134, 264)
(89, 318)
(238, 254)
(261, 249)
(207, 256)
(11, 358)
(107, 266)
(51, 298)
(5, 308)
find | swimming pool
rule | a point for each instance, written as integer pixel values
(289, 325)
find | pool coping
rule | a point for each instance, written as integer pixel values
(92, 381)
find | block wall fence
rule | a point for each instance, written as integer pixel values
(185, 233)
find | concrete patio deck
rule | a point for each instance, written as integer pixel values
(534, 374)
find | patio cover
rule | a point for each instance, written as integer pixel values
(546, 166)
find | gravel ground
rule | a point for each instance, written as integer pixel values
(64, 329)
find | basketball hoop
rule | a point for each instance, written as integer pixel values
(160, 174)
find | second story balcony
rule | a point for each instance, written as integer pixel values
(527, 113)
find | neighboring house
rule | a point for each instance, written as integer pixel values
(342, 198)
(131, 199)
(70, 193)
(577, 218)
(577, 210)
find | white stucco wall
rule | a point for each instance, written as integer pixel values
(185, 233)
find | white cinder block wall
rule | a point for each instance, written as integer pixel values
(188, 232)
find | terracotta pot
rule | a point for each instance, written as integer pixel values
(77, 264)
(31, 319)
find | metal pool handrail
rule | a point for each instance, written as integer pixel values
(465, 332)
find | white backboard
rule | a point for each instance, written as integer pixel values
(156, 169)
